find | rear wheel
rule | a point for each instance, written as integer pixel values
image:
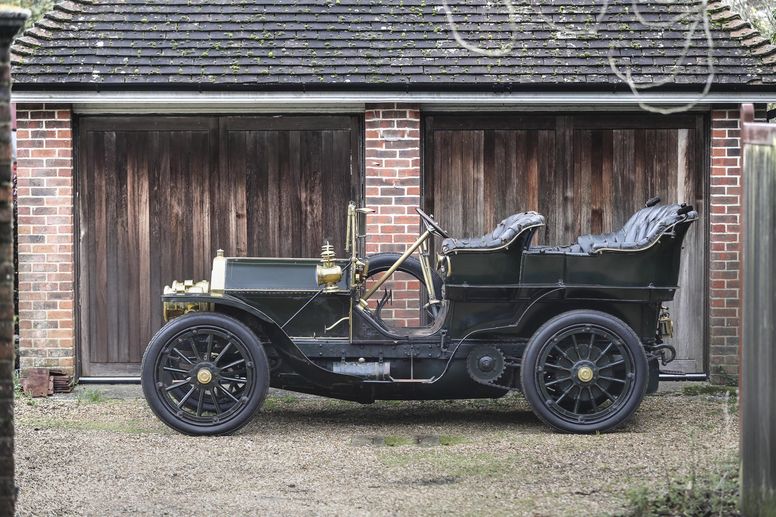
(205, 374)
(584, 371)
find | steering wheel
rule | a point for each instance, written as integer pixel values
(431, 225)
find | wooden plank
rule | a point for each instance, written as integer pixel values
(634, 120)
(545, 185)
(494, 121)
(158, 181)
(126, 162)
(141, 214)
(564, 168)
(86, 245)
(581, 179)
(624, 170)
(256, 184)
(290, 123)
(529, 192)
(758, 353)
(311, 200)
(597, 196)
(496, 158)
(102, 230)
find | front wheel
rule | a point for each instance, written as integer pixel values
(584, 371)
(205, 374)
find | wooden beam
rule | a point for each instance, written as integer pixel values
(758, 349)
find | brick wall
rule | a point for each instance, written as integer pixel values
(392, 158)
(45, 232)
(725, 243)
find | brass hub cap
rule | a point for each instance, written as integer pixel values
(585, 374)
(204, 376)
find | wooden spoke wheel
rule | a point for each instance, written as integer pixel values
(584, 371)
(205, 373)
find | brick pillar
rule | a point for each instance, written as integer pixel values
(725, 245)
(46, 259)
(393, 191)
(10, 22)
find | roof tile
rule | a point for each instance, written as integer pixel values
(257, 44)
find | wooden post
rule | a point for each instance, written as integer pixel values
(758, 349)
(10, 22)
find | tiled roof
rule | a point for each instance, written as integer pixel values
(376, 44)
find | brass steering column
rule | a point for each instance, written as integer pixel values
(425, 235)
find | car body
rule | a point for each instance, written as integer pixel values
(577, 328)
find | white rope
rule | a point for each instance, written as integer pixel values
(695, 17)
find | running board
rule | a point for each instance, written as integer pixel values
(109, 380)
(679, 376)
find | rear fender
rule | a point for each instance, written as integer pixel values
(281, 342)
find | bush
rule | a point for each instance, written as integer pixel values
(712, 494)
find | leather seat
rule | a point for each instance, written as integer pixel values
(506, 231)
(641, 230)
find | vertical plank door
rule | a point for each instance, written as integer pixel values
(586, 173)
(157, 196)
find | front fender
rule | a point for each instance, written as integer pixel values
(224, 300)
(281, 342)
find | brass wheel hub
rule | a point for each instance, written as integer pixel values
(585, 374)
(204, 376)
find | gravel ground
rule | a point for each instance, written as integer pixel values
(310, 456)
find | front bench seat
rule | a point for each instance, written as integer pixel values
(506, 232)
(641, 231)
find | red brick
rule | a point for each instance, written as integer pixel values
(45, 227)
(725, 210)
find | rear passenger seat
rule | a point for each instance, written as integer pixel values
(641, 230)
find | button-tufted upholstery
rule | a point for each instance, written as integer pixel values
(506, 231)
(641, 230)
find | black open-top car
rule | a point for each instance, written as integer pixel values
(576, 328)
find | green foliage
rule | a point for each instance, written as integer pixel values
(713, 494)
(397, 441)
(760, 13)
(17, 385)
(451, 440)
(710, 389)
(91, 396)
(279, 402)
(37, 8)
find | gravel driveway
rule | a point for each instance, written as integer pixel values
(310, 456)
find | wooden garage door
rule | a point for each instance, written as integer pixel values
(587, 173)
(158, 196)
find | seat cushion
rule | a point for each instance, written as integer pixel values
(506, 231)
(641, 230)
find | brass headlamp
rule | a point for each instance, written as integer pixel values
(327, 272)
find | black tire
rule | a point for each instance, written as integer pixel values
(381, 262)
(584, 371)
(229, 393)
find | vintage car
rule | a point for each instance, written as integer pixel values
(576, 328)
